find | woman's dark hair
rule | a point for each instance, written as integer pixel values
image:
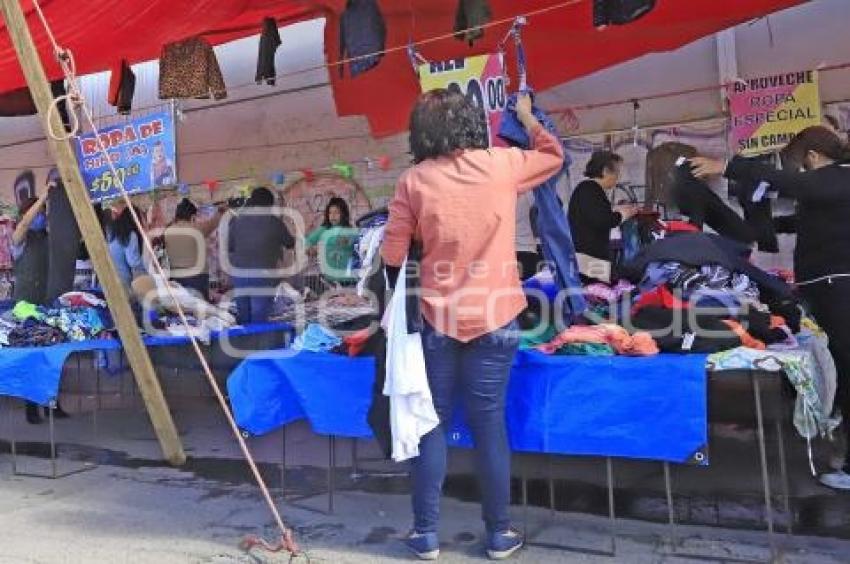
(185, 211)
(123, 226)
(444, 121)
(25, 206)
(819, 139)
(342, 206)
(261, 197)
(600, 161)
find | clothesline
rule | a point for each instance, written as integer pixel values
(417, 43)
(672, 94)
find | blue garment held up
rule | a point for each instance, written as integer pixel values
(552, 225)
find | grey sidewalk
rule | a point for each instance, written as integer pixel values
(159, 515)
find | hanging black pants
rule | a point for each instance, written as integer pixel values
(63, 243)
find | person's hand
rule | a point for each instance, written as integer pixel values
(702, 167)
(523, 112)
(628, 211)
(523, 105)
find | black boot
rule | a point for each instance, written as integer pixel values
(33, 417)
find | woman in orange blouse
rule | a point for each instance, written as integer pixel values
(459, 201)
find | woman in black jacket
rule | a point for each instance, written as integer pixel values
(592, 216)
(822, 254)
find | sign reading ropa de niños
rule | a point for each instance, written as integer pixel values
(142, 151)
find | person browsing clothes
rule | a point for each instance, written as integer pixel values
(255, 241)
(125, 247)
(459, 201)
(333, 241)
(186, 247)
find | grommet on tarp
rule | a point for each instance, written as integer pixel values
(699, 457)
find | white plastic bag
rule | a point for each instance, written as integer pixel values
(412, 413)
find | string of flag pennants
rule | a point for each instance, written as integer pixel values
(345, 170)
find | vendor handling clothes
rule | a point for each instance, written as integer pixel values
(822, 254)
(592, 217)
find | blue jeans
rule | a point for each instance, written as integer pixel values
(254, 298)
(479, 372)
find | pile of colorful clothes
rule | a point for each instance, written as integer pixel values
(600, 340)
(699, 293)
(29, 325)
(685, 293)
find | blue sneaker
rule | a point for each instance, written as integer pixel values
(502, 545)
(425, 546)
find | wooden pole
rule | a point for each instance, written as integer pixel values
(116, 296)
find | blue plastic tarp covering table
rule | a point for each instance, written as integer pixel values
(651, 408)
(34, 373)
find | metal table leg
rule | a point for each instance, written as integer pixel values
(783, 469)
(611, 510)
(13, 445)
(52, 432)
(551, 480)
(283, 464)
(331, 472)
(79, 382)
(765, 474)
(524, 478)
(560, 547)
(671, 510)
(355, 473)
(97, 405)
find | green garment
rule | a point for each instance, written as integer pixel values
(336, 245)
(527, 339)
(586, 349)
(25, 310)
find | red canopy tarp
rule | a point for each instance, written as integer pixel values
(561, 44)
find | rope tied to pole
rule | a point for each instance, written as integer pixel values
(66, 61)
(73, 99)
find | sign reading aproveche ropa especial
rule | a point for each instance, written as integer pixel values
(480, 78)
(142, 151)
(767, 112)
